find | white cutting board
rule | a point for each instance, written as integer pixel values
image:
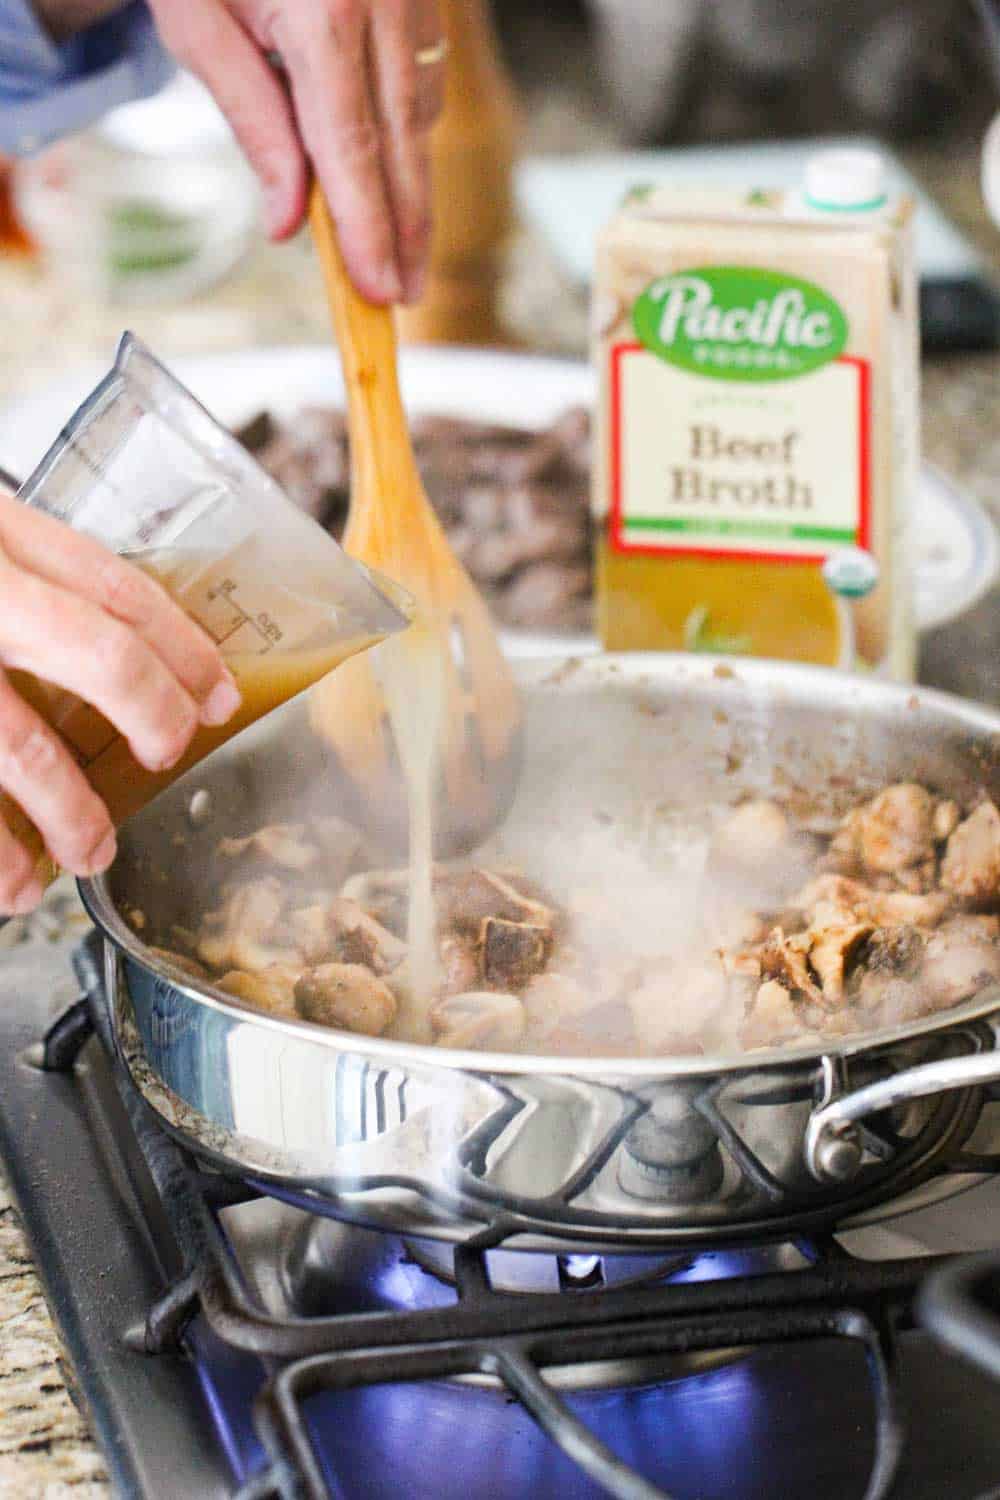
(569, 199)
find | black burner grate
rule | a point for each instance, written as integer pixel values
(507, 1335)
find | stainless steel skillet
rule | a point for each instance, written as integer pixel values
(607, 1154)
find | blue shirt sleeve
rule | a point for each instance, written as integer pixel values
(49, 89)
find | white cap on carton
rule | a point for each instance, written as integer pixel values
(846, 180)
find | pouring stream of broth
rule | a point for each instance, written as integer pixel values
(438, 702)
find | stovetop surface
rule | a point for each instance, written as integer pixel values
(790, 1418)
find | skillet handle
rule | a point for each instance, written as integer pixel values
(833, 1146)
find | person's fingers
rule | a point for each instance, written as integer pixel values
(325, 49)
(69, 642)
(51, 550)
(410, 95)
(38, 772)
(20, 888)
(208, 40)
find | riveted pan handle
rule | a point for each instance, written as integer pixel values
(833, 1144)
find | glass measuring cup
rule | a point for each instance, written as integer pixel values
(143, 468)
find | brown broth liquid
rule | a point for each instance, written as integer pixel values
(266, 679)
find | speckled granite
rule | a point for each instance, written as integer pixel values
(45, 1452)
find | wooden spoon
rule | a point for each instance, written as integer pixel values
(392, 528)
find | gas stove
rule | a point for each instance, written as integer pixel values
(223, 1342)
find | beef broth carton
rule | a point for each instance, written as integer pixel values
(757, 431)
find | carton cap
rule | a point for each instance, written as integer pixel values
(848, 180)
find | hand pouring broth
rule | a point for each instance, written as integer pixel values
(275, 644)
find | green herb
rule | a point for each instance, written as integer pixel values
(698, 636)
(639, 192)
(143, 237)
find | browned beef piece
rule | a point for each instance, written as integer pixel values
(466, 898)
(893, 950)
(513, 952)
(971, 864)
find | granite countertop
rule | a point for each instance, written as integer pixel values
(45, 1452)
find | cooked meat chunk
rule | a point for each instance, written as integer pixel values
(284, 844)
(465, 899)
(971, 864)
(979, 926)
(359, 939)
(894, 950)
(552, 1000)
(480, 1019)
(346, 996)
(512, 952)
(756, 834)
(832, 897)
(946, 819)
(311, 933)
(896, 829)
(772, 1017)
(272, 989)
(959, 963)
(899, 917)
(832, 951)
(460, 965)
(247, 932)
(181, 961)
(785, 959)
(382, 894)
(891, 1000)
(675, 1003)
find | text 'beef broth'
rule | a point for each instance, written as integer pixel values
(757, 357)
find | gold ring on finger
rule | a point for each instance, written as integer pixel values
(427, 57)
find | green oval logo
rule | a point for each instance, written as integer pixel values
(738, 323)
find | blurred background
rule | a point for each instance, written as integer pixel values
(553, 111)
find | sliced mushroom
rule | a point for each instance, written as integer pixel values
(482, 1019)
(273, 989)
(346, 996)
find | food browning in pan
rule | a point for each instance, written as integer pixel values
(883, 919)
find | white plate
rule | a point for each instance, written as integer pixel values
(954, 541)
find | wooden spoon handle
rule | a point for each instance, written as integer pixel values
(382, 459)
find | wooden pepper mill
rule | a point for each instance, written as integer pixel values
(473, 147)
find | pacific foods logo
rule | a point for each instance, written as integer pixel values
(737, 323)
